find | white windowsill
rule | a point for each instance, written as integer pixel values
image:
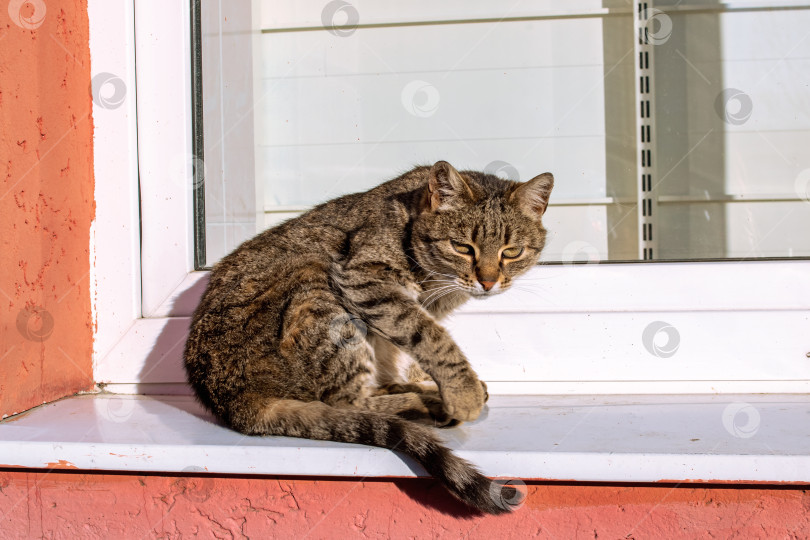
(574, 438)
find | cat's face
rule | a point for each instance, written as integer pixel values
(477, 233)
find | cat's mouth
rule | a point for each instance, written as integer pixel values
(477, 292)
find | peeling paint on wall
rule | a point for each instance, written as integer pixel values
(46, 202)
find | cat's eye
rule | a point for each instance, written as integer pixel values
(512, 252)
(464, 249)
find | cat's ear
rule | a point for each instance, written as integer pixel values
(447, 189)
(532, 196)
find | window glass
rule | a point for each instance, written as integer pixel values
(678, 132)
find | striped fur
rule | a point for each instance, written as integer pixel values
(327, 326)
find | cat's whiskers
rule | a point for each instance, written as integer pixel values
(536, 292)
(533, 278)
(438, 290)
(440, 296)
(438, 293)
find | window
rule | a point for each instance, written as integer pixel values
(721, 183)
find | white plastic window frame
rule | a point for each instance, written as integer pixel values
(746, 321)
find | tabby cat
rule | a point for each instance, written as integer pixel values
(327, 326)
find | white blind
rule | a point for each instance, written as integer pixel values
(347, 95)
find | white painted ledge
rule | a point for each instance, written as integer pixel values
(742, 438)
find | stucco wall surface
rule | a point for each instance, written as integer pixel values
(39, 504)
(46, 202)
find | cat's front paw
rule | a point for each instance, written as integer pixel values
(463, 400)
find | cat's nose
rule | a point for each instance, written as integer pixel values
(487, 285)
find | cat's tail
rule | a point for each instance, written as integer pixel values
(317, 420)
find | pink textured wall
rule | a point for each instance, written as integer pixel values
(63, 504)
(46, 202)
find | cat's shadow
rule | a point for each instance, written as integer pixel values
(431, 494)
(162, 372)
